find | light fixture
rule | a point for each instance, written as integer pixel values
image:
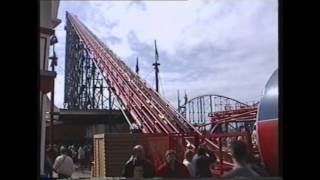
(53, 40)
(54, 59)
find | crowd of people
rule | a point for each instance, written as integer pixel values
(197, 162)
(62, 159)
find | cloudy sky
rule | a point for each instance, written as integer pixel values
(227, 47)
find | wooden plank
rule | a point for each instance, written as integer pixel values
(112, 151)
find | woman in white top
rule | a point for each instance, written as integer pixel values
(188, 155)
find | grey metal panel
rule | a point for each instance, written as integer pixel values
(269, 103)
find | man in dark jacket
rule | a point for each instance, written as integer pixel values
(203, 161)
(242, 166)
(138, 166)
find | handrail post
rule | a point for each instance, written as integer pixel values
(221, 156)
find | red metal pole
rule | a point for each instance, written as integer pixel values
(249, 142)
(221, 158)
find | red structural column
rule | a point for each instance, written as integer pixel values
(220, 156)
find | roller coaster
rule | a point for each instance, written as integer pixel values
(152, 113)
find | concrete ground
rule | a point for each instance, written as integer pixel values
(78, 173)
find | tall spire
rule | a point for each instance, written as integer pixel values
(185, 97)
(156, 64)
(137, 66)
(178, 101)
(156, 50)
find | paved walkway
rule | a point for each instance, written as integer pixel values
(78, 174)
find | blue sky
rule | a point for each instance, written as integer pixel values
(227, 47)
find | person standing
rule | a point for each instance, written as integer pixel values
(240, 157)
(48, 165)
(138, 166)
(172, 168)
(81, 157)
(203, 161)
(188, 155)
(63, 164)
